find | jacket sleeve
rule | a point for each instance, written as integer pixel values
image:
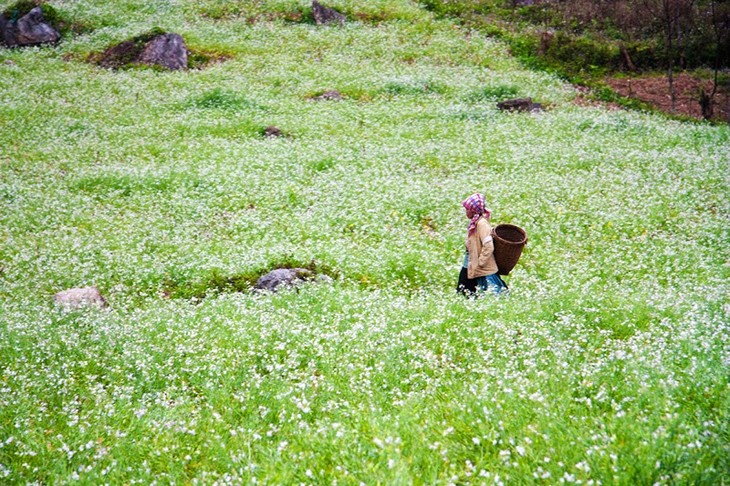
(484, 231)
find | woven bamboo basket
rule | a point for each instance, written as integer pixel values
(509, 240)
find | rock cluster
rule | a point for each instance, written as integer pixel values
(30, 29)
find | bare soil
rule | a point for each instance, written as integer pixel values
(119, 55)
(655, 91)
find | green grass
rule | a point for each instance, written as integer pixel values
(608, 362)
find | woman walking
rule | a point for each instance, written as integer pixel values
(479, 271)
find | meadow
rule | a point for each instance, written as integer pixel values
(608, 363)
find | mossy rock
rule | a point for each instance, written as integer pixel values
(134, 53)
(26, 24)
(126, 53)
(51, 15)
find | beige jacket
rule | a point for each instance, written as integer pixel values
(481, 251)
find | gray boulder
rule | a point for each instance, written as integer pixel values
(325, 15)
(166, 50)
(29, 30)
(283, 277)
(80, 297)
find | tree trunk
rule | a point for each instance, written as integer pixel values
(669, 51)
(627, 59)
(670, 79)
(716, 67)
(681, 50)
(546, 39)
(705, 104)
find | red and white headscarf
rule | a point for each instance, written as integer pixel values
(477, 204)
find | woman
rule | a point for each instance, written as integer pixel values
(479, 272)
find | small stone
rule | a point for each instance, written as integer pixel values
(519, 104)
(283, 277)
(325, 15)
(8, 62)
(272, 131)
(80, 297)
(332, 95)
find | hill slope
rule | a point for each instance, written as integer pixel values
(608, 361)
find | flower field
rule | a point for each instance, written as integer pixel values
(608, 363)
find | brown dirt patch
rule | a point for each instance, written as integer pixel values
(119, 55)
(654, 90)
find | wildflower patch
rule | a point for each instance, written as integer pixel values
(608, 361)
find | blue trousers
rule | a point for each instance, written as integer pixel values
(473, 286)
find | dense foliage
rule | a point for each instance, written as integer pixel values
(608, 363)
(603, 36)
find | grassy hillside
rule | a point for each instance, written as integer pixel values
(608, 362)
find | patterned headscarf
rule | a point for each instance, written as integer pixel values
(478, 205)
